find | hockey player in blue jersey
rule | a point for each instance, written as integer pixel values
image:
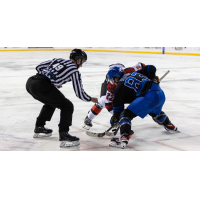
(142, 92)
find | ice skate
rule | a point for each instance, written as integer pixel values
(42, 132)
(87, 123)
(121, 141)
(155, 120)
(171, 127)
(66, 140)
(159, 119)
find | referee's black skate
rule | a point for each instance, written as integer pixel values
(66, 140)
(42, 132)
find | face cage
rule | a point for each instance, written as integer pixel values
(112, 80)
(83, 62)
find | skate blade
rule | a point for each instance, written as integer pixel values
(109, 133)
(121, 145)
(64, 144)
(172, 131)
(40, 135)
(86, 127)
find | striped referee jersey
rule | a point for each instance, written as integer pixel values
(61, 71)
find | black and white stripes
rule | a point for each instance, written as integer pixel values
(61, 71)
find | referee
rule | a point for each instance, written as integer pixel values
(44, 87)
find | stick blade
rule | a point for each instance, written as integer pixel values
(113, 131)
(93, 134)
(109, 133)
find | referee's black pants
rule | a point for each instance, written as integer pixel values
(40, 88)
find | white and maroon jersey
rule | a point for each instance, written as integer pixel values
(111, 86)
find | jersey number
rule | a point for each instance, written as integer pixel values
(57, 66)
(109, 96)
(134, 81)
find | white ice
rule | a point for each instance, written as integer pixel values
(19, 110)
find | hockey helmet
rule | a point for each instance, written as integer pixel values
(78, 53)
(115, 72)
(116, 65)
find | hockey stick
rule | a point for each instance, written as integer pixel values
(93, 134)
(164, 75)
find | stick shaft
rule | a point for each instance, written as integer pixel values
(164, 75)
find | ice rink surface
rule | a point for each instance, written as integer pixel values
(18, 110)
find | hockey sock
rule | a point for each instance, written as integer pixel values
(96, 109)
(161, 119)
(125, 121)
(109, 106)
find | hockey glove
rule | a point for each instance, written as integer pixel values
(113, 121)
(142, 64)
(156, 80)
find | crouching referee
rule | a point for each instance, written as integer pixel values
(44, 87)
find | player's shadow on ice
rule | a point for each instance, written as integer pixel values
(54, 138)
(165, 132)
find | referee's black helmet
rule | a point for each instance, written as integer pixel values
(78, 53)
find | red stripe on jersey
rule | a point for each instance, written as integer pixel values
(129, 70)
(96, 110)
(111, 87)
(109, 106)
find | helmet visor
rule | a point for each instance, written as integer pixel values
(84, 62)
(111, 80)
